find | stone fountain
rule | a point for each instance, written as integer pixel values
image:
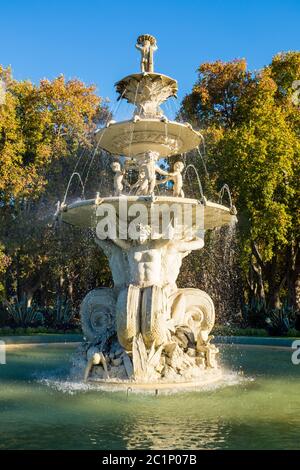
(146, 332)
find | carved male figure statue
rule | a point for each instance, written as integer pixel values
(153, 267)
(146, 44)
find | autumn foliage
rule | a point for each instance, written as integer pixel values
(251, 127)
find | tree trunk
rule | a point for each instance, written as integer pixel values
(296, 288)
(258, 268)
(70, 290)
(61, 282)
(271, 273)
(259, 289)
(29, 298)
(274, 299)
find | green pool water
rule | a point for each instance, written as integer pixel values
(258, 409)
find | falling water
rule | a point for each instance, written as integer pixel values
(114, 111)
(75, 173)
(132, 126)
(91, 156)
(203, 143)
(198, 179)
(225, 188)
(203, 162)
(217, 270)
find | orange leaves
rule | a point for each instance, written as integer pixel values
(217, 92)
(39, 124)
(252, 133)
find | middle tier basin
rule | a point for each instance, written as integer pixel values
(129, 138)
(83, 213)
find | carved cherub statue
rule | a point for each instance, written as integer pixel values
(149, 164)
(210, 350)
(118, 178)
(142, 183)
(147, 173)
(146, 44)
(176, 177)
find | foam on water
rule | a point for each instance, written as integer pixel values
(72, 386)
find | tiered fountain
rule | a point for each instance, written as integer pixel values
(145, 332)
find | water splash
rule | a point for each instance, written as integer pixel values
(93, 156)
(220, 273)
(72, 386)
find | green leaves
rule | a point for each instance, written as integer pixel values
(39, 124)
(253, 130)
(43, 130)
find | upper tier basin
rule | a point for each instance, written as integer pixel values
(140, 87)
(131, 138)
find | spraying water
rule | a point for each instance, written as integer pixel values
(75, 173)
(198, 179)
(225, 189)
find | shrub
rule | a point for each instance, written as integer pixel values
(293, 333)
(22, 315)
(3, 315)
(280, 321)
(60, 316)
(7, 330)
(227, 330)
(255, 313)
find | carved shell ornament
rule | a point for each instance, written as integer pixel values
(146, 37)
(97, 312)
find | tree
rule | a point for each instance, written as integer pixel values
(252, 132)
(216, 94)
(285, 70)
(44, 131)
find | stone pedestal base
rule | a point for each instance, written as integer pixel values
(145, 336)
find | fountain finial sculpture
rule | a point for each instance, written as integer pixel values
(146, 44)
(146, 331)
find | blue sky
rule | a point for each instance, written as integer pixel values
(94, 40)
